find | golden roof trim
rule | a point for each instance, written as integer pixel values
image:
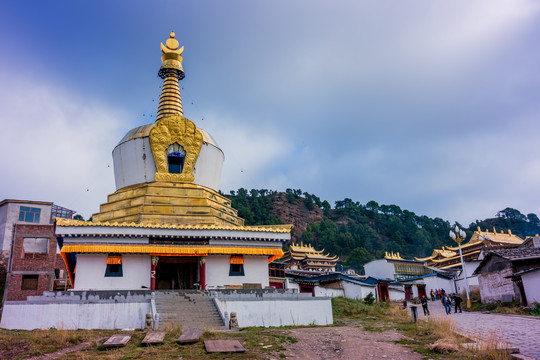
(257, 228)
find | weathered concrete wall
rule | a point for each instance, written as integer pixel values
(277, 309)
(396, 293)
(492, 281)
(78, 310)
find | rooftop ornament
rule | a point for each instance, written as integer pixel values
(458, 235)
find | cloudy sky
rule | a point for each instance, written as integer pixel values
(429, 105)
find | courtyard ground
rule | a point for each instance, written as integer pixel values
(360, 332)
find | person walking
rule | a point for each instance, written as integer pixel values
(457, 303)
(424, 305)
(448, 305)
(432, 293)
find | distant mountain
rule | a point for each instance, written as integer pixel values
(358, 233)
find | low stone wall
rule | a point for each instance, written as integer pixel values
(272, 308)
(127, 309)
(73, 310)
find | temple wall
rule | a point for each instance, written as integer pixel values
(277, 310)
(356, 291)
(91, 273)
(78, 310)
(396, 293)
(217, 271)
(330, 292)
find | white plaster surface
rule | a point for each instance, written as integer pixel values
(380, 269)
(128, 315)
(91, 268)
(356, 291)
(134, 164)
(396, 293)
(324, 291)
(267, 313)
(217, 271)
(531, 284)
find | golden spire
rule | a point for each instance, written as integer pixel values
(171, 71)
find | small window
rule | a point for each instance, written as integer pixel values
(114, 266)
(36, 245)
(29, 214)
(175, 158)
(237, 265)
(29, 282)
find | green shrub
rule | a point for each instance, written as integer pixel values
(369, 299)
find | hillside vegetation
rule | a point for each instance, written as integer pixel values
(358, 233)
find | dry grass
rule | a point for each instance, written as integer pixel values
(23, 344)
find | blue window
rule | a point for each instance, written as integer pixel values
(175, 158)
(114, 270)
(29, 214)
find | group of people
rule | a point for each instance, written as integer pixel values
(446, 300)
(437, 294)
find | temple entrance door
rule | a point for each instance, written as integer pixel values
(408, 292)
(176, 272)
(421, 291)
(383, 292)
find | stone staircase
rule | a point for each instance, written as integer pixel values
(188, 309)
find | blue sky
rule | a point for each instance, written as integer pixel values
(429, 105)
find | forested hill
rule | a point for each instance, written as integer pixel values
(359, 233)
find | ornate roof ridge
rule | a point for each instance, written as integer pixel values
(259, 228)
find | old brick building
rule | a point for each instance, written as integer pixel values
(30, 262)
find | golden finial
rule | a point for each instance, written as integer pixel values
(172, 56)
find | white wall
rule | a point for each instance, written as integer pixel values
(129, 315)
(91, 268)
(470, 267)
(134, 164)
(217, 271)
(531, 284)
(356, 291)
(267, 313)
(328, 292)
(380, 269)
(396, 293)
(435, 282)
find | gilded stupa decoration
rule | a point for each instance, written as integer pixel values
(172, 130)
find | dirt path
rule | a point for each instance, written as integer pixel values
(62, 352)
(348, 342)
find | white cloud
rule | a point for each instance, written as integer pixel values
(56, 145)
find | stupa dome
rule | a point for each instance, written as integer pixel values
(134, 163)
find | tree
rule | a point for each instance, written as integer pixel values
(511, 214)
(533, 219)
(78, 217)
(359, 256)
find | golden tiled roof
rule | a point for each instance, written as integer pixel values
(302, 252)
(263, 228)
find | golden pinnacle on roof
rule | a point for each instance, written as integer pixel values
(171, 71)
